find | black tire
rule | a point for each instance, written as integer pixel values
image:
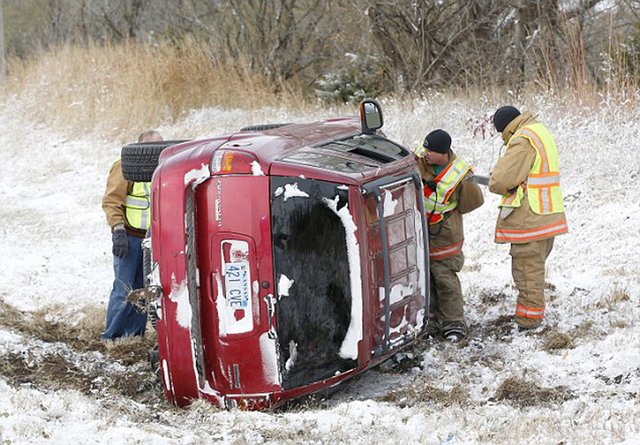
(262, 127)
(140, 160)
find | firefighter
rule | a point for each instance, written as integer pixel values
(126, 205)
(527, 176)
(446, 197)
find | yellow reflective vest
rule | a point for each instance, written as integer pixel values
(542, 186)
(137, 205)
(436, 202)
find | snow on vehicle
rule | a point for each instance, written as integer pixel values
(287, 258)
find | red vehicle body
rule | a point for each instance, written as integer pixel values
(288, 260)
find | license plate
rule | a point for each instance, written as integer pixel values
(237, 285)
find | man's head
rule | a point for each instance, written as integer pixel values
(503, 117)
(437, 146)
(150, 136)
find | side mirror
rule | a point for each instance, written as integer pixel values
(370, 116)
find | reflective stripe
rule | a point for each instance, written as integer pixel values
(144, 218)
(137, 205)
(539, 146)
(439, 207)
(530, 312)
(448, 251)
(544, 180)
(446, 183)
(531, 234)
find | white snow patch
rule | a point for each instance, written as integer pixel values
(389, 204)
(270, 358)
(349, 347)
(197, 175)
(284, 285)
(256, 170)
(292, 191)
(180, 295)
(293, 355)
(398, 292)
(165, 374)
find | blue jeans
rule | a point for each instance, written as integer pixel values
(123, 319)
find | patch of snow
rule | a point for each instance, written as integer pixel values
(292, 191)
(293, 355)
(389, 204)
(284, 285)
(197, 175)
(180, 296)
(256, 170)
(270, 367)
(349, 347)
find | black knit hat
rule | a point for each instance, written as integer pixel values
(504, 116)
(438, 141)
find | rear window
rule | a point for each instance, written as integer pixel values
(374, 148)
(311, 269)
(329, 162)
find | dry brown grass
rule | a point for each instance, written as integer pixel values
(421, 392)
(115, 90)
(80, 330)
(524, 393)
(555, 340)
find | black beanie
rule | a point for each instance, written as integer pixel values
(504, 116)
(438, 141)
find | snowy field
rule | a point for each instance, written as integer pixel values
(576, 382)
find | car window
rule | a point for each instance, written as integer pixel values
(328, 162)
(370, 146)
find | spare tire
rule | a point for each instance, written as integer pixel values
(139, 160)
(262, 127)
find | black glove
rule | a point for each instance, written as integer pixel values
(120, 243)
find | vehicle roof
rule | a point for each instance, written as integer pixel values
(271, 146)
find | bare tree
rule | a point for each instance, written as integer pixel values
(281, 38)
(429, 43)
(3, 64)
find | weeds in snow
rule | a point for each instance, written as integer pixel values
(524, 393)
(557, 340)
(421, 392)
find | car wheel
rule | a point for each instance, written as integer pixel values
(139, 160)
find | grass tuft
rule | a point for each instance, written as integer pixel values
(524, 393)
(421, 392)
(557, 340)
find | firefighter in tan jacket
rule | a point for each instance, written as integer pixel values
(446, 197)
(531, 215)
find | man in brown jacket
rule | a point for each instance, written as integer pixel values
(527, 176)
(126, 205)
(447, 197)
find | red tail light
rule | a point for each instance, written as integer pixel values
(225, 162)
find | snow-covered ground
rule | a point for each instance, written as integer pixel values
(576, 382)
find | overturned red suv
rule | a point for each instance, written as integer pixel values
(285, 258)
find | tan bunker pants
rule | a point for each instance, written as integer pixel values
(446, 304)
(528, 270)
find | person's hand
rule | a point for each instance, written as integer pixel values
(120, 242)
